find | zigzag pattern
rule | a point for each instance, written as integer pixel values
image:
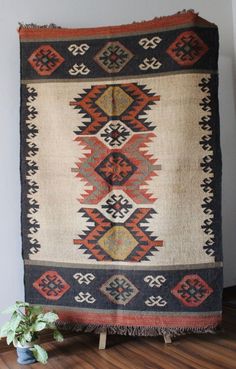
(94, 118)
(206, 165)
(136, 150)
(146, 242)
(29, 153)
(144, 99)
(104, 169)
(88, 241)
(141, 233)
(85, 170)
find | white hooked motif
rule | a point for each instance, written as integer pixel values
(155, 281)
(78, 49)
(149, 43)
(150, 63)
(85, 297)
(84, 278)
(79, 69)
(155, 301)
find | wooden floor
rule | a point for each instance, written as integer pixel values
(191, 351)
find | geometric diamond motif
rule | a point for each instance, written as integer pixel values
(127, 102)
(114, 134)
(192, 290)
(132, 164)
(118, 242)
(116, 168)
(45, 60)
(117, 206)
(114, 101)
(133, 237)
(187, 49)
(51, 285)
(119, 289)
(113, 57)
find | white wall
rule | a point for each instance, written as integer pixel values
(85, 13)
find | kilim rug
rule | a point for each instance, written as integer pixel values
(121, 172)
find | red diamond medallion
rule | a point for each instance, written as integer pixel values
(192, 290)
(187, 49)
(51, 285)
(45, 60)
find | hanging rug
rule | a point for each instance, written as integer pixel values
(121, 175)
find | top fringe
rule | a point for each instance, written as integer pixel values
(53, 25)
(33, 25)
(181, 12)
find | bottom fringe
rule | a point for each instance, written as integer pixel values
(136, 331)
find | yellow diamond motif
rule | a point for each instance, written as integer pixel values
(118, 242)
(114, 101)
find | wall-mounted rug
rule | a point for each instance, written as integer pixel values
(121, 174)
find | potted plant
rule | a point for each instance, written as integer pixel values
(24, 328)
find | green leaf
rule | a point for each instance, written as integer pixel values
(10, 337)
(52, 326)
(22, 304)
(58, 336)
(40, 354)
(14, 322)
(50, 317)
(39, 317)
(21, 328)
(10, 326)
(34, 310)
(38, 326)
(28, 336)
(22, 340)
(5, 329)
(11, 309)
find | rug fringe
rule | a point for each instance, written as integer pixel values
(34, 25)
(136, 331)
(53, 25)
(166, 17)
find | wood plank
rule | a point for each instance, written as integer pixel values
(154, 356)
(3, 365)
(189, 356)
(139, 360)
(212, 355)
(67, 356)
(9, 358)
(160, 351)
(186, 352)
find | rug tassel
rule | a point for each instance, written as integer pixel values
(165, 17)
(53, 25)
(33, 25)
(135, 331)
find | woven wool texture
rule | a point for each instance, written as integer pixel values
(121, 172)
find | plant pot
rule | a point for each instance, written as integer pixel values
(24, 354)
